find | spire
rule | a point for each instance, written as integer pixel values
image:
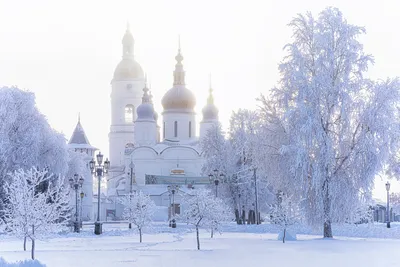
(146, 97)
(127, 43)
(179, 73)
(79, 136)
(210, 99)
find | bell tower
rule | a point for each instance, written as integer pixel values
(126, 96)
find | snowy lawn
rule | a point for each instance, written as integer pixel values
(241, 246)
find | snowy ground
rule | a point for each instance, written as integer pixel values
(239, 246)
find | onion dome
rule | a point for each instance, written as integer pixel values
(179, 97)
(128, 68)
(210, 111)
(145, 111)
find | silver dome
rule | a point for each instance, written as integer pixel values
(145, 111)
(210, 112)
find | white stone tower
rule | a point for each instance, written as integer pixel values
(179, 118)
(80, 143)
(126, 96)
(210, 114)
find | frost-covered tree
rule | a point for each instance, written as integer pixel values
(341, 128)
(26, 138)
(395, 202)
(204, 210)
(285, 212)
(138, 210)
(36, 204)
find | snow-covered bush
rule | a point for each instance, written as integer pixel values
(25, 263)
(138, 210)
(285, 213)
(36, 204)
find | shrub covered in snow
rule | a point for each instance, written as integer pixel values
(25, 263)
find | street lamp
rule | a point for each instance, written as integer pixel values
(387, 206)
(99, 170)
(82, 195)
(76, 183)
(214, 177)
(172, 189)
(132, 166)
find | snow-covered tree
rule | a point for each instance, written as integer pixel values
(36, 204)
(138, 210)
(395, 202)
(76, 164)
(204, 210)
(341, 128)
(285, 212)
(26, 138)
(215, 150)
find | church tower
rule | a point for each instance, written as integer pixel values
(179, 118)
(210, 114)
(126, 96)
(145, 124)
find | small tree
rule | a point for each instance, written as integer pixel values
(36, 203)
(138, 210)
(284, 213)
(204, 210)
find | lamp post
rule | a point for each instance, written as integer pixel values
(172, 189)
(256, 196)
(387, 206)
(99, 170)
(82, 195)
(214, 177)
(76, 183)
(132, 166)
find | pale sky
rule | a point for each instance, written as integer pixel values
(66, 51)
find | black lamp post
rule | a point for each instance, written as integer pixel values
(76, 183)
(99, 171)
(172, 189)
(387, 206)
(82, 194)
(214, 177)
(132, 166)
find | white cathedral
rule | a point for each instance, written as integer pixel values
(148, 153)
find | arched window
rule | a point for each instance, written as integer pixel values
(175, 129)
(190, 129)
(129, 112)
(164, 130)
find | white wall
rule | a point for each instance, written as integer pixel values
(183, 119)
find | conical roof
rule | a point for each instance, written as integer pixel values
(79, 136)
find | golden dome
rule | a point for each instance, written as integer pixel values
(178, 97)
(128, 69)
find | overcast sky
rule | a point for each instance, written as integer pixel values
(66, 51)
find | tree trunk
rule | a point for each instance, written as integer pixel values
(212, 233)
(140, 234)
(33, 243)
(130, 226)
(284, 235)
(25, 243)
(198, 238)
(328, 229)
(327, 212)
